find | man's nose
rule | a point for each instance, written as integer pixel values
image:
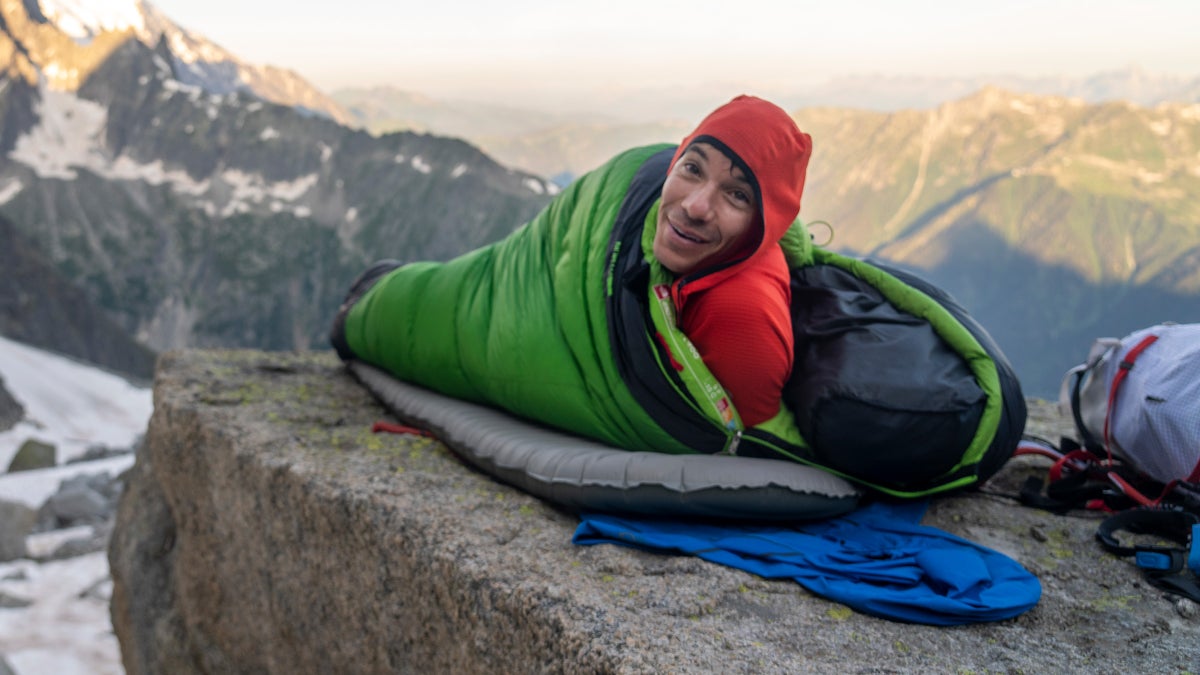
(699, 202)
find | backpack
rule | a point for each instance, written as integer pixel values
(1139, 399)
(1135, 403)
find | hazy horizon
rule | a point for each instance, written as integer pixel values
(447, 49)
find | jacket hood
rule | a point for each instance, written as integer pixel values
(765, 142)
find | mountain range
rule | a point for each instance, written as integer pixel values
(196, 212)
(194, 200)
(564, 144)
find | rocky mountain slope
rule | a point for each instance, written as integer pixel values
(40, 307)
(200, 216)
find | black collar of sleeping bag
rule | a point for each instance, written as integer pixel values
(1170, 568)
(656, 389)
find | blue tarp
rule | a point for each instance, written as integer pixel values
(878, 560)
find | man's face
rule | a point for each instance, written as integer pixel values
(708, 206)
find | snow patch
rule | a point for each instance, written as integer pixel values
(351, 214)
(43, 544)
(69, 134)
(458, 171)
(535, 186)
(154, 173)
(162, 66)
(33, 488)
(193, 91)
(67, 630)
(82, 20)
(421, 165)
(10, 190)
(68, 404)
(191, 49)
(58, 77)
(251, 188)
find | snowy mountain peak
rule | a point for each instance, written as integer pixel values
(62, 42)
(83, 20)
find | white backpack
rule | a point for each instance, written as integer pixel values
(1137, 399)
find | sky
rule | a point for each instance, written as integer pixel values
(444, 48)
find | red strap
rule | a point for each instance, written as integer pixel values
(1136, 495)
(1122, 370)
(393, 428)
(1076, 460)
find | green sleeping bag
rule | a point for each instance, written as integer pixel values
(893, 386)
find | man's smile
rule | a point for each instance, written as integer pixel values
(686, 235)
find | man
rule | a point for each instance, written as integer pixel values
(562, 321)
(733, 191)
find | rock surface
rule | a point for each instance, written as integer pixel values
(33, 455)
(16, 522)
(11, 410)
(265, 529)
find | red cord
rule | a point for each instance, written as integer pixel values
(393, 428)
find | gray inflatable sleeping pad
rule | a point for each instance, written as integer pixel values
(584, 475)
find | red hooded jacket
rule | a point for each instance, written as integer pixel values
(737, 311)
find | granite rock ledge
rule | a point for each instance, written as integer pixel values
(265, 529)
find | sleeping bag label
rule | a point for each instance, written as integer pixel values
(712, 398)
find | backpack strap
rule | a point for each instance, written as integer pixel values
(1075, 480)
(1172, 569)
(1069, 394)
(1074, 381)
(1123, 369)
(1080, 479)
